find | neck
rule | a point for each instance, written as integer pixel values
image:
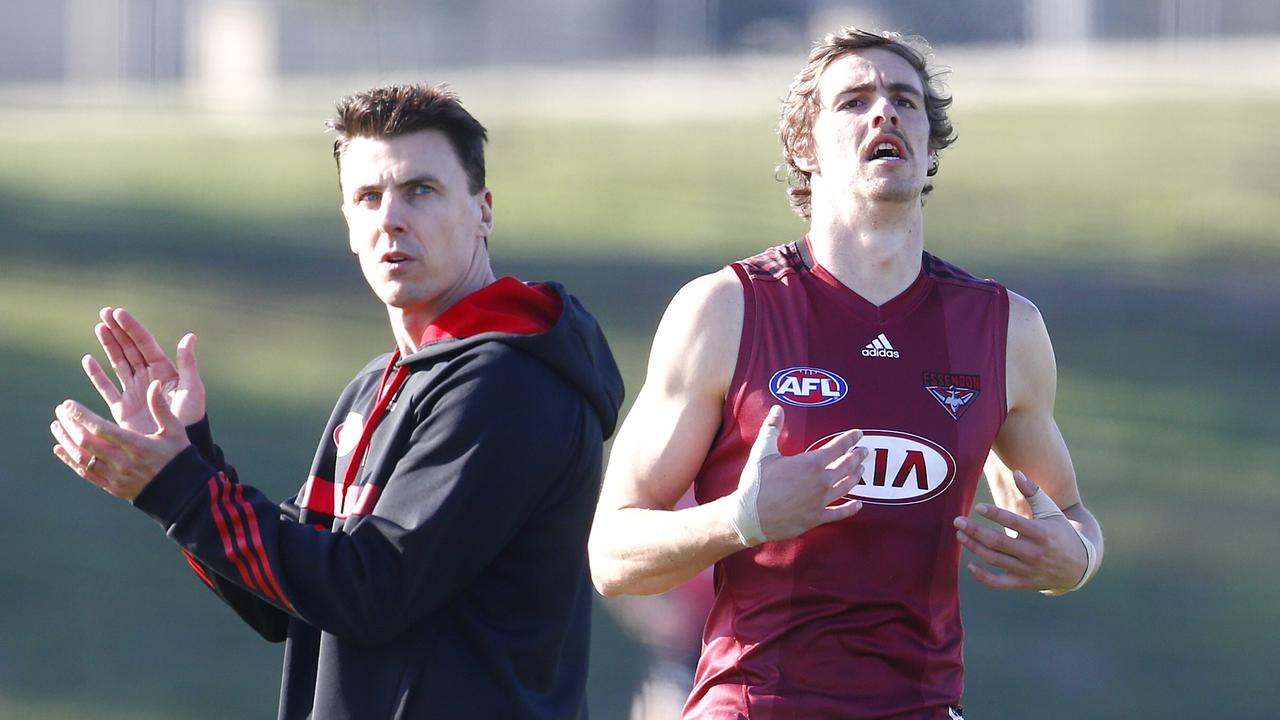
(875, 251)
(408, 324)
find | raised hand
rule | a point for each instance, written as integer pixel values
(137, 360)
(1044, 552)
(780, 497)
(118, 460)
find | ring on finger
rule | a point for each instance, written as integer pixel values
(93, 460)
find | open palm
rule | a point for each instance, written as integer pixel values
(137, 360)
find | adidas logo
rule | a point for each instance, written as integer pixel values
(880, 347)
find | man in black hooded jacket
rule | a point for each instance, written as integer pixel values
(433, 565)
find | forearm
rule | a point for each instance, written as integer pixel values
(637, 551)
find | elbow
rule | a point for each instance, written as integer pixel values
(604, 577)
(606, 587)
(612, 579)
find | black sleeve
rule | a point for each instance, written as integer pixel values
(268, 620)
(487, 447)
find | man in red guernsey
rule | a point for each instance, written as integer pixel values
(833, 402)
(434, 564)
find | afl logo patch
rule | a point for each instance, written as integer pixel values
(808, 387)
(901, 468)
(347, 435)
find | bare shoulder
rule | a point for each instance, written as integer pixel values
(715, 297)
(699, 334)
(1031, 367)
(673, 421)
(1025, 321)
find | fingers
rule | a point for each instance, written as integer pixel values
(68, 450)
(838, 447)
(1023, 526)
(159, 406)
(140, 337)
(188, 368)
(846, 472)
(87, 430)
(98, 378)
(1000, 581)
(133, 356)
(841, 511)
(766, 443)
(1024, 484)
(110, 343)
(976, 537)
(1007, 557)
(86, 452)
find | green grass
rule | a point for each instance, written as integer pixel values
(1146, 240)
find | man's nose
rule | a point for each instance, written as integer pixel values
(392, 221)
(884, 112)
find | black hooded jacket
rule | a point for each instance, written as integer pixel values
(449, 580)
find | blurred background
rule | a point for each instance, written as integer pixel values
(1118, 163)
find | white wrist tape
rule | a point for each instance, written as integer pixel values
(745, 515)
(1091, 569)
(1043, 506)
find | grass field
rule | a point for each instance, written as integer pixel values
(1147, 242)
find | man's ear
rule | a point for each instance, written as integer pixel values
(802, 156)
(485, 198)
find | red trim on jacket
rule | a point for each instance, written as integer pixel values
(244, 549)
(506, 306)
(197, 567)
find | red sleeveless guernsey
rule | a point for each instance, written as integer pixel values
(860, 618)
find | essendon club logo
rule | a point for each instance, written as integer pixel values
(901, 468)
(954, 392)
(807, 387)
(347, 435)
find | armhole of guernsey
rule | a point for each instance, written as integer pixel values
(1002, 347)
(746, 345)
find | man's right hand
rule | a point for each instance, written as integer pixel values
(780, 497)
(137, 360)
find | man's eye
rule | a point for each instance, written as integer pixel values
(367, 198)
(420, 190)
(850, 104)
(906, 103)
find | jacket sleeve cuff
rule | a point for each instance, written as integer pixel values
(200, 433)
(173, 488)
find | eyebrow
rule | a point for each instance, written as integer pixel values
(427, 179)
(899, 88)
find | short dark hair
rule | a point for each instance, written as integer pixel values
(392, 110)
(800, 106)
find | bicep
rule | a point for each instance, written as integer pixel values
(674, 420)
(1030, 439)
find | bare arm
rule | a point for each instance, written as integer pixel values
(1047, 553)
(641, 545)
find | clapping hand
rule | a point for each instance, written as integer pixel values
(137, 360)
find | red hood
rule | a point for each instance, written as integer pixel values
(504, 306)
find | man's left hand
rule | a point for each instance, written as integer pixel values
(120, 461)
(1044, 553)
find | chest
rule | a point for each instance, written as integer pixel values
(925, 385)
